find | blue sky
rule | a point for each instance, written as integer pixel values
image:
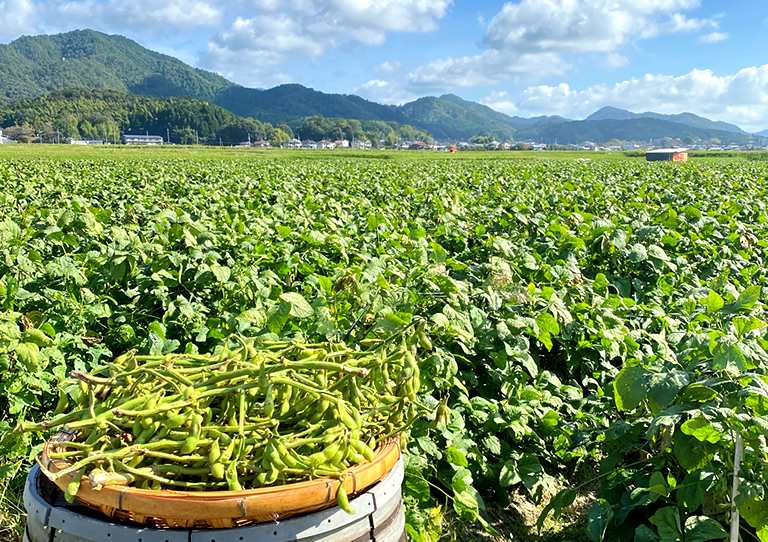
(522, 57)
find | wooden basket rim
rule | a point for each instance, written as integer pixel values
(261, 504)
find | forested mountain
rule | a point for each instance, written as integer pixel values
(33, 66)
(688, 119)
(446, 120)
(287, 103)
(106, 114)
(637, 129)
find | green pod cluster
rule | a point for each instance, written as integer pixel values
(267, 414)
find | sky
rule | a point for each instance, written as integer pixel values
(521, 57)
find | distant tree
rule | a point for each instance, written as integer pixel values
(278, 137)
(715, 141)
(391, 138)
(480, 139)
(23, 134)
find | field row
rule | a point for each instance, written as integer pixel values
(579, 312)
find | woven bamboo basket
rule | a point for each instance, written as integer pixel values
(220, 509)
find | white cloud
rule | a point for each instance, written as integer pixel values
(614, 60)
(741, 98)
(275, 30)
(389, 67)
(531, 39)
(586, 25)
(500, 101)
(488, 68)
(137, 15)
(713, 37)
(384, 92)
(17, 17)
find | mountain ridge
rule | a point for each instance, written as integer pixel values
(33, 66)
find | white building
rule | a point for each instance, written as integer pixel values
(129, 139)
(292, 144)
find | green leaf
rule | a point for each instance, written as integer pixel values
(509, 475)
(277, 317)
(455, 457)
(645, 534)
(527, 469)
(714, 302)
(657, 253)
(547, 323)
(600, 516)
(28, 355)
(667, 521)
(631, 387)
(416, 485)
(158, 329)
(745, 324)
(728, 357)
(299, 307)
(755, 513)
(690, 492)
(222, 273)
(701, 529)
(638, 253)
(562, 499)
(619, 239)
(691, 452)
(664, 387)
(746, 301)
(36, 336)
(700, 428)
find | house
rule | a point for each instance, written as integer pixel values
(341, 144)
(129, 139)
(418, 146)
(292, 144)
(360, 144)
(325, 144)
(5, 140)
(308, 144)
(669, 155)
(260, 144)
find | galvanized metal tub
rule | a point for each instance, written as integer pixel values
(379, 517)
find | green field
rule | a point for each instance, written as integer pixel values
(598, 327)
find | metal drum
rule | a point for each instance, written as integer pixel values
(379, 516)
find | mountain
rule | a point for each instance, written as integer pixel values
(35, 65)
(764, 133)
(612, 113)
(105, 114)
(633, 129)
(446, 120)
(688, 119)
(287, 103)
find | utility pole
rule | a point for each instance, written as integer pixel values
(167, 135)
(197, 140)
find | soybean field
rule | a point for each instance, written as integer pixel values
(596, 337)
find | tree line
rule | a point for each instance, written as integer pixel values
(106, 114)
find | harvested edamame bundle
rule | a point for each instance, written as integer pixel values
(260, 415)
